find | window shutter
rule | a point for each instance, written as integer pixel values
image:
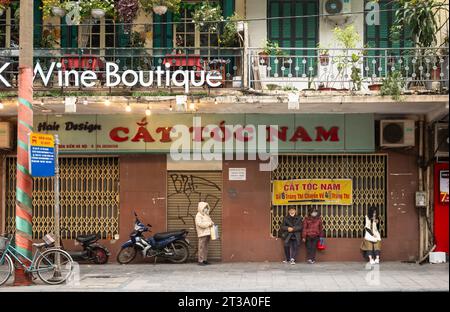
(69, 35)
(123, 36)
(163, 33)
(227, 8)
(37, 16)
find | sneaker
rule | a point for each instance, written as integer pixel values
(206, 262)
(377, 261)
(372, 261)
(292, 261)
(310, 261)
(285, 261)
(201, 263)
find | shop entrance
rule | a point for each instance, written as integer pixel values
(89, 198)
(368, 173)
(184, 190)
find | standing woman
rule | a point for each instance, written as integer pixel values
(292, 227)
(312, 232)
(203, 224)
(371, 244)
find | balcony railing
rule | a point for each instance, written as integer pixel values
(224, 62)
(348, 69)
(310, 69)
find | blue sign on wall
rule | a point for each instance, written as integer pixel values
(42, 155)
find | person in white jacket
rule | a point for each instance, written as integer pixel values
(371, 244)
(203, 224)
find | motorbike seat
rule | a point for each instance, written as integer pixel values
(86, 238)
(164, 235)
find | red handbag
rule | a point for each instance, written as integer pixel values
(321, 244)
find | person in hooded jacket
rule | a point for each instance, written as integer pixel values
(291, 230)
(371, 244)
(203, 224)
(312, 232)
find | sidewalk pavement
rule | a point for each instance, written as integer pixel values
(265, 276)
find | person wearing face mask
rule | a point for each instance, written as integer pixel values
(291, 229)
(371, 245)
(203, 224)
(312, 232)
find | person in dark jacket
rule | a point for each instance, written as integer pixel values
(291, 230)
(312, 232)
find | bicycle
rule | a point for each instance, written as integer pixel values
(53, 265)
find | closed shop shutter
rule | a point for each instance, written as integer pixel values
(368, 173)
(187, 188)
(89, 198)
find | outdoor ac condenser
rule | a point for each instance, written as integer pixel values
(397, 133)
(441, 139)
(337, 11)
(5, 135)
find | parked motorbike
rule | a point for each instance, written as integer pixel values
(173, 246)
(92, 251)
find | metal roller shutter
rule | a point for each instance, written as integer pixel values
(187, 188)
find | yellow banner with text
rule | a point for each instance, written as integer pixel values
(312, 192)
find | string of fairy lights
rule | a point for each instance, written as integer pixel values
(188, 103)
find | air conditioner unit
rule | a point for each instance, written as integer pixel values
(397, 133)
(337, 11)
(441, 139)
(5, 135)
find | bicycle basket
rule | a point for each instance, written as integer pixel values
(48, 239)
(3, 242)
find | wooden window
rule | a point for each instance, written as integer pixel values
(9, 29)
(190, 38)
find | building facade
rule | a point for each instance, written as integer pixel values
(312, 82)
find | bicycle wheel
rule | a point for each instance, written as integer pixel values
(48, 270)
(6, 268)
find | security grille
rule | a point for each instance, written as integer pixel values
(187, 188)
(89, 198)
(368, 173)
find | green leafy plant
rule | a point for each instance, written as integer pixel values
(172, 5)
(105, 5)
(272, 87)
(289, 88)
(393, 85)
(420, 18)
(47, 6)
(348, 39)
(207, 15)
(273, 48)
(230, 36)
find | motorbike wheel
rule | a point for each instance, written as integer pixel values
(126, 255)
(99, 256)
(181, 252)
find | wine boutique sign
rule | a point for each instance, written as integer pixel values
(130, 78)
(154, 134)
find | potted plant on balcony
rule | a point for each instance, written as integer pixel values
(160, 7)
(324, 56)
(98, 8)
(4, 4)
(270, 49)
(53, 8)
(420, 18)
